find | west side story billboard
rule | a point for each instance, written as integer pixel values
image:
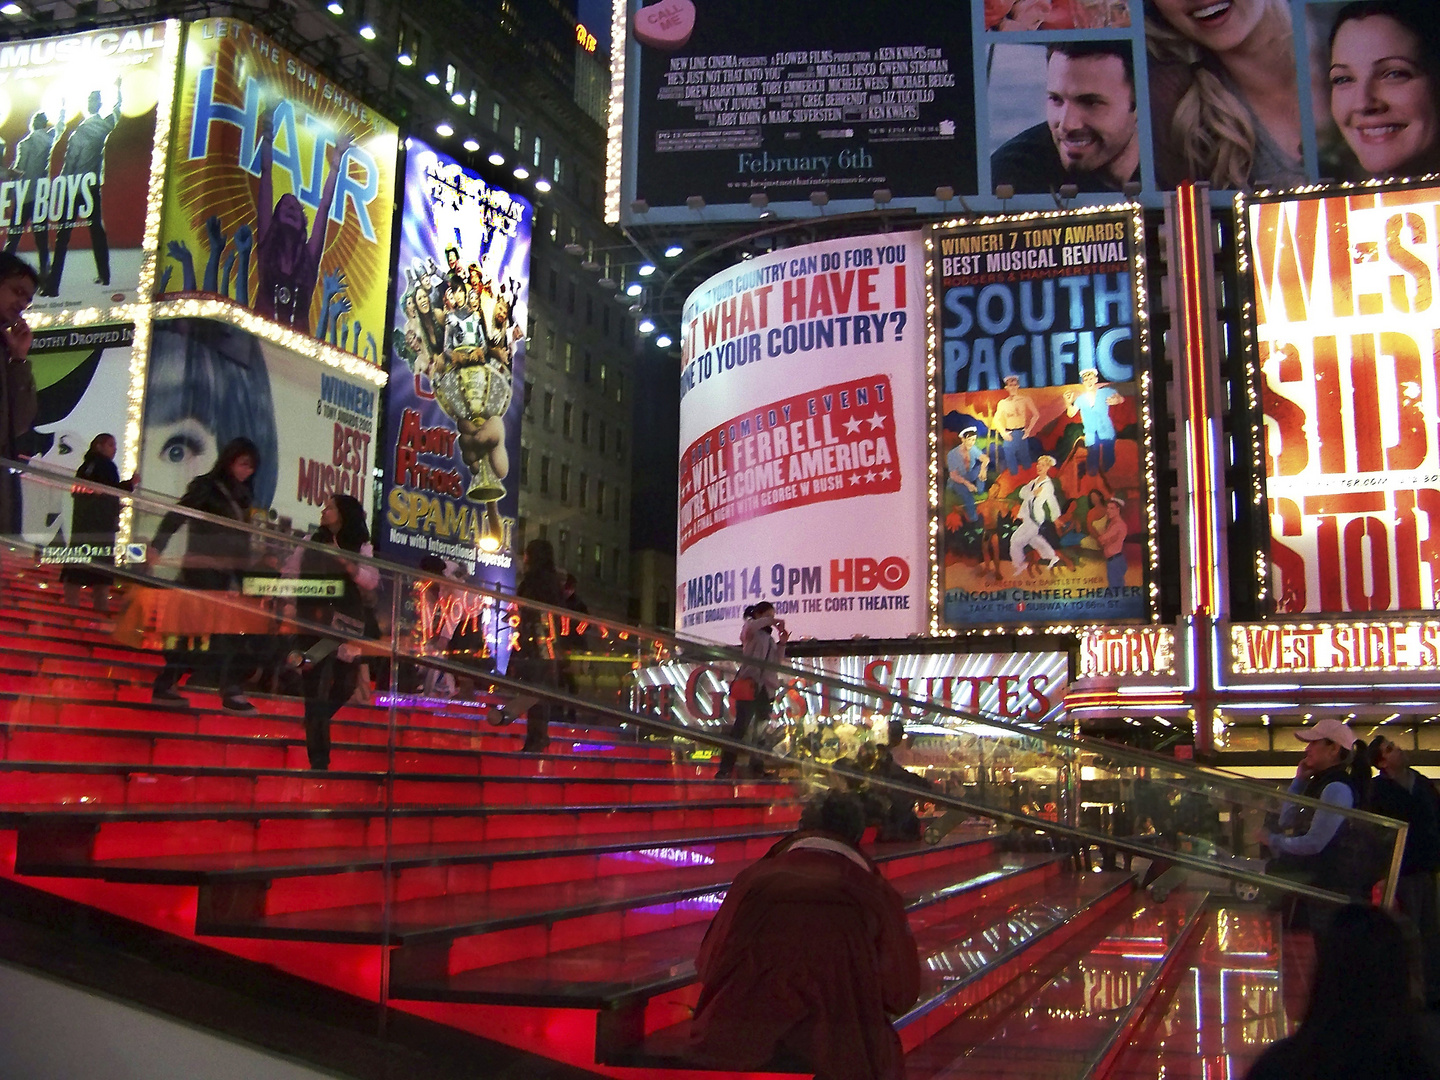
(802, 438)
(735, 100)
(456, 356)
(1043, 427)
(1347, 333)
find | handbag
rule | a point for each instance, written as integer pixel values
(743, 688)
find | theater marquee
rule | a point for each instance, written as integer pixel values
(1335, 648)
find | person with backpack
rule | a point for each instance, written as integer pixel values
(1319, 847)
(762, 640)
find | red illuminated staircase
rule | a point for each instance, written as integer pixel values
(555, 902)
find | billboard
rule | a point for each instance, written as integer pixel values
(208, 382)
(82, 375)
(1043, 427)
(853, 102)
(457, 355)
(1345, 352)
(280, 191)
(77, 127)
(1103, 95)
(802, 437)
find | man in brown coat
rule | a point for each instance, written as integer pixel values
(808, 958)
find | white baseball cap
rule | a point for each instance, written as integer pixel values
(1337, 731)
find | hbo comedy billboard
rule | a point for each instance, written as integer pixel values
(802, 438)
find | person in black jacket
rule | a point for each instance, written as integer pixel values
(1399, 792)
(94, 521)
(532, 652)
(1364, 1018)
(215, 558)
(327, 666)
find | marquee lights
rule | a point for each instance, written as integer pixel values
(1323, 648)
(615, 125)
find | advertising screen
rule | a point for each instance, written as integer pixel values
(77, 127)
(1346, 352)
(1043, 423)
(457, 355)
(758, 102)
(280, 191)
(802, 438)
(1104, 95)
(82, 375)
(208, 382)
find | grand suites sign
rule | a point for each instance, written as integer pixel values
(1026, 688)
(1335, 648)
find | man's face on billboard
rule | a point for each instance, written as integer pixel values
(1091, 112)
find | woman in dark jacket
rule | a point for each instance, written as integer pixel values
(215, 558)
(94, 520)
(532, 651)
(327, 667)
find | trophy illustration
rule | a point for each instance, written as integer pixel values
(476, 386)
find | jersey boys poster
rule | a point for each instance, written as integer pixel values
(1346, 345)
(802, 438)
(280, 191)
(456, 356)
(1042, 491)
(77, 130)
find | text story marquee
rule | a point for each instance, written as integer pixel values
(802, 421)
(1347, 344)
(1043, 491)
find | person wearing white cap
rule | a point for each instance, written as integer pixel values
(1335, 771)
(967, 468)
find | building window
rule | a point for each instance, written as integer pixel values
(567, 420)
(544, 480)
(495, 117)
(589, 310)
(619, 442)
(524, 466)
(542, 531)
(614, 565)
(555, 231)
(584, 491)
(554, 285)
(564, 483)
(615, 506)
(600, 498)
(519, 140)
(549, 415)
(550, 345)
(605, 320)
(619, 386)
(556, 170)
(585, 428)
(586, 374)
(600, 437)
(570, 297)
(474, 102)
(564, 545)
(603, 379)
(599, 562)
(529, 393)
(569, 357)
(539, 155)
(450, 76)
(519, 534)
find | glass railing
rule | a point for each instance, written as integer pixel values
(254, 605)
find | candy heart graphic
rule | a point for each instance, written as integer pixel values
(666, 25)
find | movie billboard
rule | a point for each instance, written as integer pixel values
(1043, 427)
(1103, 95)
(802, 438)
(208, 382)
(457, 357)
(280, 191)
(77, 128)
(82, 375)
(1346, 350)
